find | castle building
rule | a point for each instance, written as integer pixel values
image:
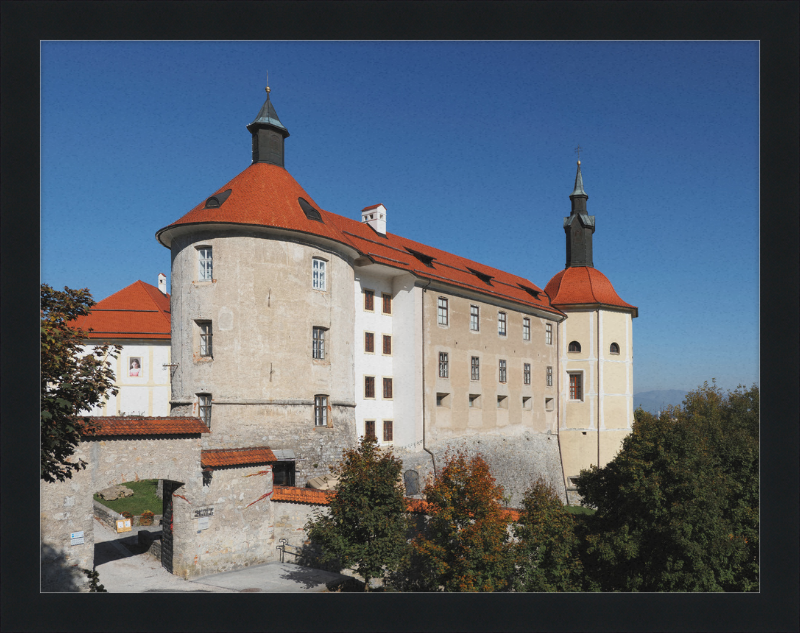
(292, 331)
(303, 330)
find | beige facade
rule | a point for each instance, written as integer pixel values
(495, 394)
(596, 400)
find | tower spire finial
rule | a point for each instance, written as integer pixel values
(267, 88)
(578, 152)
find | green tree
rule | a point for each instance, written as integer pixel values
(365, 528)
(73, 380)
(465, 543)
(547, 548)
(677, 509)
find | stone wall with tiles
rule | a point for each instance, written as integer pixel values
(515, 462)
(232, 521)
(68, 507)
(285, 427)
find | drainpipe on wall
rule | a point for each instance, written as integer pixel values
(424, 444)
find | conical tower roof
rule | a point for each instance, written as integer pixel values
(578, 191)
(268, 116)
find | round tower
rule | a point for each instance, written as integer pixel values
(262, 336)
(595, 351)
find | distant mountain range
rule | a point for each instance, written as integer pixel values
(655, 401)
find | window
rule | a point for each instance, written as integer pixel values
(475, 368)
(502, 402)
(204, 402)
(310, 212)
(387, 431)
(474, 318)
(320, 410)
(442, 399)
(387, 305)
(369, 342)
(442, 312)
(318, 343)
(502, 371)
(369, 429)
(318, 269)
(526, 403)
(369, 300)
(614, 348)
(205, 339)
(526, 373)
(526, 329)
(387, 388)
(501, 323)
(575, 387)
(369, 386)
(549, 376)
(574, 346)
(206, 264)
(475, 400)
(444, 362)
(283, 473)
(387, 344)
(548, 334)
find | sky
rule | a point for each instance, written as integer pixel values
(469, 145)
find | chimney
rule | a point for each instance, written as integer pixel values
(162, 283)
(375, 216)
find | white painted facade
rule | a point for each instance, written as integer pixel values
(143, 390)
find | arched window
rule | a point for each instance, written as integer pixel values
(614, 348)
(574, 346)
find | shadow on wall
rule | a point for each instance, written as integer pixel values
(58, 574)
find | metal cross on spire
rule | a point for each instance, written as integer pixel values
(267, 88)
(578, 152)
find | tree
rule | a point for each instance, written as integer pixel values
(677, 509)
(465, 543)
(548, 556)
(73, 381)
(366, 525)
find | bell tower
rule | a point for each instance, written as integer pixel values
(579, 227)
(268, 135)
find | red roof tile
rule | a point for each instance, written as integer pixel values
(301, 495)
(139, 311)
(266, 195)
(372, 206)
(323, 497)
(236, 457)
(582, 285)
(110, 426)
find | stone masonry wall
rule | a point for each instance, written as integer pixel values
(68, 507)
(239, 521)
(290, 520)
(515, 462)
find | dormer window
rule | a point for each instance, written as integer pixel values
(425, 259)
(574, 346)
(215, 201)
(533, 293)
(487, 279)
(311, 212)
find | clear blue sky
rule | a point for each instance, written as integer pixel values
(469, 145)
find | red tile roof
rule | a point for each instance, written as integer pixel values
(323, 497)
(110, 426)
(583, 285)
(266, 195)
(372, 206)
(217, 458)
(139, 311)
(301, 495)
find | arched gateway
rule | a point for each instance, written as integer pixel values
(222, 487)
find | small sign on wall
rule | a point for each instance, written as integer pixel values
(202, 523)
(123, 525)
(76, 538)
(203, 512)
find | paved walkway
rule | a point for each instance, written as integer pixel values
(122, 571)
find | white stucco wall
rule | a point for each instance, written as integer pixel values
(149, 392)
